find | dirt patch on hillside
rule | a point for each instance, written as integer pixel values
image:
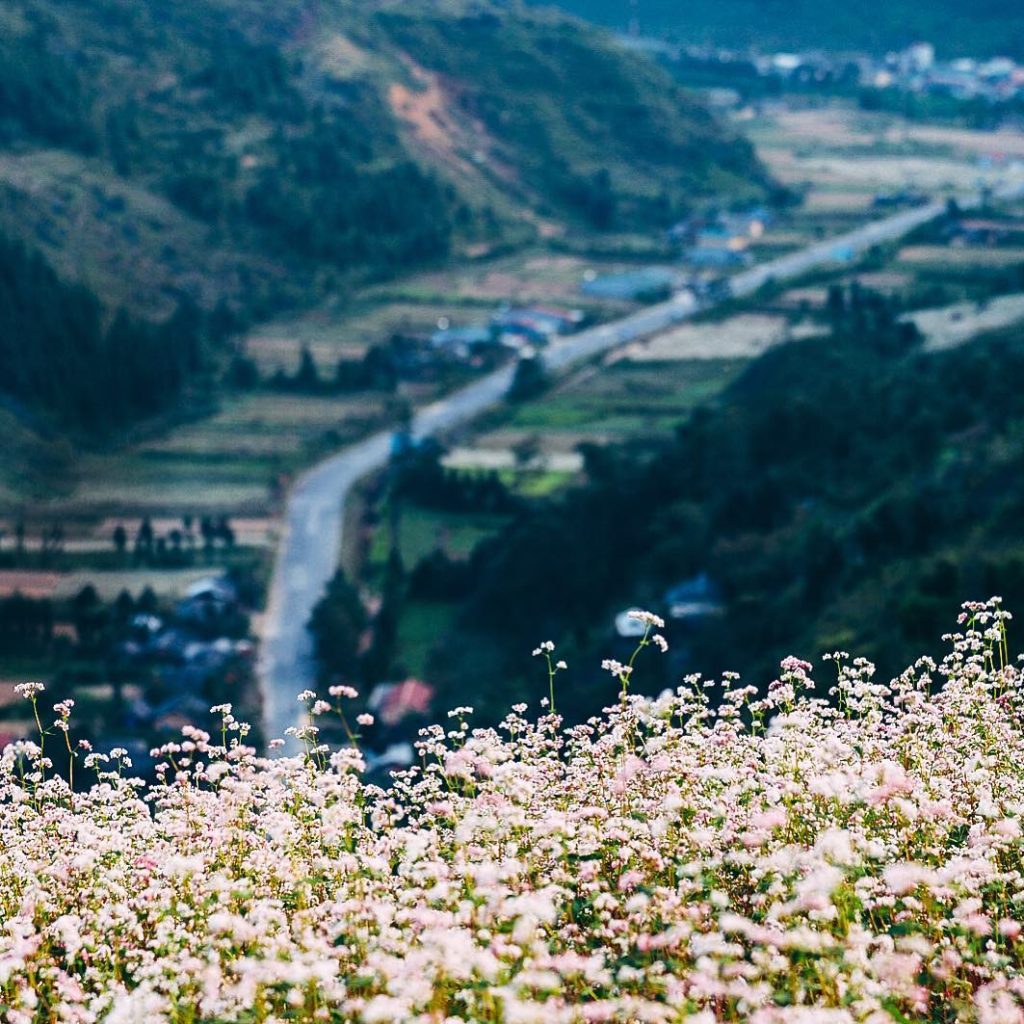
(429, 112)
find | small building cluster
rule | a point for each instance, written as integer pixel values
(688, 603)
(691, 608)
(204, 639)
(720, 241)
(645, 284)
(915, 69)
(400, 709)
(510, 327)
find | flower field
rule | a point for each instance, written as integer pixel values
(847, 853)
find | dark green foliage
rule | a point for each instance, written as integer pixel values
(608, 137)
(378, 370)
(377, 662)
(89, 616)
(439, 577)
(247, 76)
(56, 355)
(43, 95)
(353, 217)
(243, 373)
(530, 380)
(420, 477)
(977, 112)
(337, 624)
(26, 625)
(594, 197)
(851, 483)
(307, 377)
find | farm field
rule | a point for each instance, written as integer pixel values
(845, 155)
(465, 294)
(621, 399)
(949, 256)
(235, 463)
(743, 336)
(231, 463)
(953, 325)
(421, 531)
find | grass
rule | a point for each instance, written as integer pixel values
(422, 531)
(420, 626)
(627, 398)
(422, 623)
(535, 483)
(23, 667)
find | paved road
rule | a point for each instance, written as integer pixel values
(310, 545)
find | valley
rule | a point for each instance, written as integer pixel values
(343, 363)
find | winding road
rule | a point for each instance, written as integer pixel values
(310, 544)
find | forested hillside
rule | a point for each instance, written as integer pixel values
(843, 494)
(591, 134)
(59, 352)
(341, 140)
(956, 27)
(220, 153)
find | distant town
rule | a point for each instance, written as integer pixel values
(915, 70)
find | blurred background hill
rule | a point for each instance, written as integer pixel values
(189, 167)
(958, 27)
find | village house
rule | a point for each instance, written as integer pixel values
(696, 598)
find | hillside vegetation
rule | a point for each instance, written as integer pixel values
(220, 155)
(840, 493)
(956, 27)
(58, 356)
(361, 138)
(706, 856)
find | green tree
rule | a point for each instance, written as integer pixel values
(529, 381)
(307, 377)
(337, 624)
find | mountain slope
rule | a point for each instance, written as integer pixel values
(957, 27)
(224, 149)
(580, 126)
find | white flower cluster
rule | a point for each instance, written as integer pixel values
(704, 856)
